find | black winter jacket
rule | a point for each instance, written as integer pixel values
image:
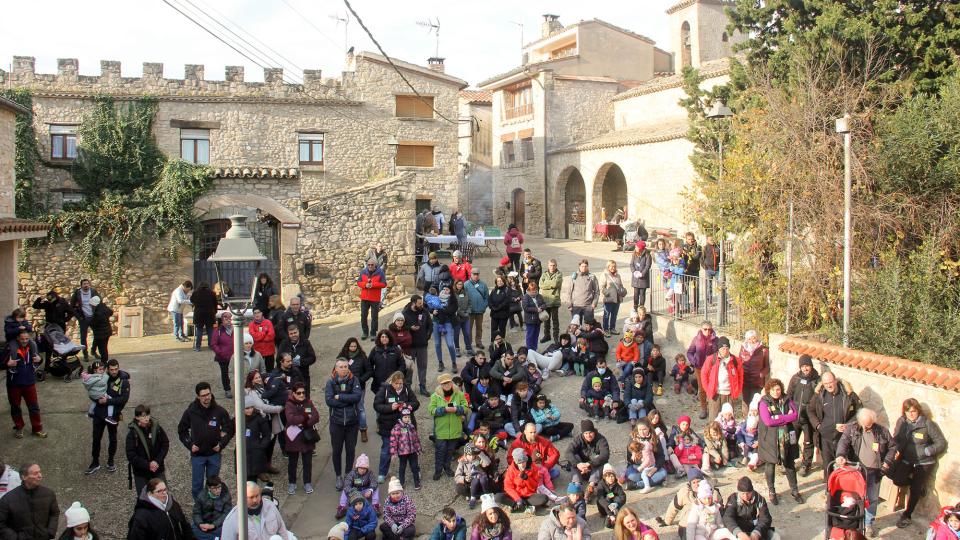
(420, 336)
(919, 443)
(342, 397)
(801, 390)
(288, 319)
(361, 368)
(212, 511)
(205, 427)
(57, 312)
(383, 404)
(497, 416)
(825, 410)
(852, 438)
(302, 349)
(204, 306)
(118, 393)
(278, 385)
(741, 517)
(143, 446)
(258, 434)
(499, 302)
(100, 323)
(151, 523)
(596, 453)
(385, 361)
(29, 514)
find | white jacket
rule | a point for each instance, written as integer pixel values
(270, 522)
(8, 480)
(706, 522)
(178, 298)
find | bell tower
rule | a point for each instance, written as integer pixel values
(698, 32)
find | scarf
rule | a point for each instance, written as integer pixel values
(491, 531)
(750, 348)
(254, 511)
(157, 502)
(449, 393)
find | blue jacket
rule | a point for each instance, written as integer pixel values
(478, 294)
(440, 532)
(25, 374)
(364, 521)
(344, 410)
(644, 393)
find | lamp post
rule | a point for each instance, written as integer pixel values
(843, 127)
(394, 145)
(238, 246)
(719, 111)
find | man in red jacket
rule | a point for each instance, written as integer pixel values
(537, 447)
(722, 375)
(371, 281)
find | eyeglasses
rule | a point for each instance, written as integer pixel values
(299, 393)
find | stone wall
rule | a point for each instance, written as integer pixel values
(8, 154)
(578, 110)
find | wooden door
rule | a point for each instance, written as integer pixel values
(519, 208)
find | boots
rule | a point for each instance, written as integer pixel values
(774, 500)
(363, 435)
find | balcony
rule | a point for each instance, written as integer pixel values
(516, 112)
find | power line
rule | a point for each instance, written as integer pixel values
(395, 68)
(309, 22)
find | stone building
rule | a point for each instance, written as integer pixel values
(322, 169)
(476, 156)
(12, 230)
(590, 122)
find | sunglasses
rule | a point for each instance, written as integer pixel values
(299, 393)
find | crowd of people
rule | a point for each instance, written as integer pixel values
(507, 446)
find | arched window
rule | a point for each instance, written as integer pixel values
(685, 46)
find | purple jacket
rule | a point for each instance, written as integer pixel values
(222, 344)
(402, 512)
(700, 348)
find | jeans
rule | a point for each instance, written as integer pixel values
(367, 306)
(444, 451)
(874, 477)
(626, 368)
(200, 534)
(384, 467)
(362, 409)
(635, 409)
(201, 329)
(177, 324)
(477, 487)
(553, 323)
(444, 332)
(84, 324)
(610, 310)
(342, 437)
(711, 276)
(476, 328)
(533, 336)
(201, 468)
(464, 329)
(98, 426)
(307, 467)
(638, 477)
(28, 394)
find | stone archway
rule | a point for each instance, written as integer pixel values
(573, 193)
(609, 192)
(686, 47)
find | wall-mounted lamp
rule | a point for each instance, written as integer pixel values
(508, 205)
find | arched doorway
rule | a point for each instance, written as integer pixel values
(574, 203)
(519, 207)
(609, 192)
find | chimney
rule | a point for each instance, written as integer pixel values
(435, 64)
(23, 66)
(551, 25)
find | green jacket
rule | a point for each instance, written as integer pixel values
(447, 426)
(550, 285)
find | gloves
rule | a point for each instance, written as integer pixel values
(396, 528)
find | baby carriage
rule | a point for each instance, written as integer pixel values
(846, 502)
(62, 354)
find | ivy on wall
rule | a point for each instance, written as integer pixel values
(27, 156)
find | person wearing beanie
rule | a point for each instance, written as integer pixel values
(78, 524)
(361, 518)
(676, 444)
(704, 519)
(575, 498)
(399, 513)
(746, 435)
(252, 358)
(801, 389)
(609, 386)
(460, 269)
(588, 453)
(834, 405)
(610, 495)
(640, 263)
(210, 509)
(682, 502)
(746, 512)
(704, 344)
(101, 327)
(492, 522)
(755, 359)
(371, 282)
(258, 434)
(360, 480)
(521, 484)
(721, 377)
(337, 532)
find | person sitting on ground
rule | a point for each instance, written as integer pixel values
(683, 500)
(360, 518)
(210, 508)
(399, 514)
(450, 526)
(681, 373)
(492, 523)
(610, 496)
(470, 478)
(520, 405)
(596, 402)
(495, 414)
(716, 455)
(498, 347)
(575, 498)
(537, 447)
(360, 480)
(637, 396)
(609, 386)
(628, 356)
(588, 453)
(704, 521)
(547, 416)
(677, 434)
(534, 377)
(563, 523)
(521, 484)
(747, 514)
(656, 367)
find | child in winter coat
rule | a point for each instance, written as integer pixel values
(641, 462)
(628, 355)
(678, 434)
(716, 454)
(433, 301)
(594, 400)
(747, 439)
(610, 495)
(637, 396)
(360, 479)
(450, 526)
(581, 358)
(95, 382)
(681, 373)
(405, 443)
(470, 478)
(575, 496)
(728, 424)
(399, 514)
(656, 369)
(361, 518)
(704, 521)
(534, 378)
(687, 454)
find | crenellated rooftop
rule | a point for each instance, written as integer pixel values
(194, 86)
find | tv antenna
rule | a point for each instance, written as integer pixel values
(432, 27)
(346, 26)
(520, 24)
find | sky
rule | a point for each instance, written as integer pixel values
(478, 39)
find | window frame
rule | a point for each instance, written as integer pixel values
(508, 152)
(193, 135)
(403, 146)
(418, 107)
(311, 140)
(526, 148)
(65, 133)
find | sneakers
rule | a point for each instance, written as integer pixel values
(111, 467)
(530, 509)
(18, 433)
(292, 488)
(773, 498)
(796, 496)
(92, 469)
(805, 470)
(40, 434)
(111, 421)
(472, 503)
(417, 486)
(645, 489)
(544, 339)
(453, 368)
(423, 392)
(308, 488)
(381, 478)
(339, 483)
(228, 394)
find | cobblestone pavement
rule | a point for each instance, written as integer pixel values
(164, 372)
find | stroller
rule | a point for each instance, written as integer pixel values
(65, 361)
(846, 503)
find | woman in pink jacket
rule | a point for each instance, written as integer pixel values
(514, 242)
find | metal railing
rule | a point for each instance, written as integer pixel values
(694, 298)
(517, 111)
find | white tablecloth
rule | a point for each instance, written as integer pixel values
(450, 239)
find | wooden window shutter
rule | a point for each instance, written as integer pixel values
(414, 155)
(414, 107)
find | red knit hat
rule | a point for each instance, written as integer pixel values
(683, 419)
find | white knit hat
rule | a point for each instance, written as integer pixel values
(247, 338)
(95, 301)
(487, 501)
(338, 531)
(575, 321)
(394, 485)
(608, 468)
(76, 515)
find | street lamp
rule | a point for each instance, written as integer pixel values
(235, 248)
(843, 127)
(394, 145)
(720, 111)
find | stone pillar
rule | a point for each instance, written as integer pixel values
(67, 68)
(273, 76)
(152, 70)
(23, 67)
(193, 72)
(233, 73)
(109, 70)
